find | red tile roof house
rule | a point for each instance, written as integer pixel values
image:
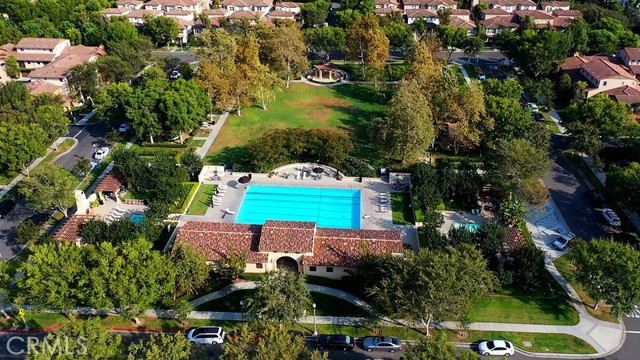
(289, 244)
(507, 5)
(540, 18)
(33, 53)
(603, 74)
(631, 58)
(262, 6)
(292, 7)
(71, 230)
(429, 4)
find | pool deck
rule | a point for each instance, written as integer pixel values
(370, 216)
(452, 217)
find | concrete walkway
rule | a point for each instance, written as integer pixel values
(556, 119)
(460, 63)
(605, 337)
(213, 134)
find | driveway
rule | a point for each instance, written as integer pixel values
(87, 136)
(568, 190)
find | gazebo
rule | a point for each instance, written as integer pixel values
(111, 184)
(328, 72)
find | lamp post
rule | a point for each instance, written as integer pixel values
(242, 310)
(315, 328)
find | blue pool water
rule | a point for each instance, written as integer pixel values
(137, 218)
(471, 227)
(328, 208)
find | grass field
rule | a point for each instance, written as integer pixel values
(401, 208)
(202, 200)
(350, 108)
(543, 343)
(563, 264)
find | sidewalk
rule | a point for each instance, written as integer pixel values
(213, 134)
(460, 64)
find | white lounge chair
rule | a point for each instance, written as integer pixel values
(229, 211)
(384, 201)
(384, 194)
(366, 216)
(119, 210)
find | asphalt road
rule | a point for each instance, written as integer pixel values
(183, 56)
(568, 190)
(87, 136)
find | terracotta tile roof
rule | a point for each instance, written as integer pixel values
(115, 11)
(172, 2)
(576, 62)
(343, 247)
(215, 240)
(513, 240)
(42, 87)
(440, 2)
(71, 230)
(602, 69)
(289, 4)
(499, 22)
(32, 56)
(111, 183)
(140, 13)
(625, 94)
(558, 4)
(567, 13)
(287, 236)
(460, 12)
(129, 2)
(385, 11)
(497, 12)
(467, 24)
(562, 22)
(243, 3)
(536, 14)
(281, 14)
(250, 15)
(182, 23)
(509, 2)
(632, 53)
(70, 57)
(216, 12)
(421, 13)
(178, 12)
(39, 43)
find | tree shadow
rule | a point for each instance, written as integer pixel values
(232, 157)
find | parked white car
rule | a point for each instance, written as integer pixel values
(101, 153)
(533, 107)
(610, 217)
(124, 127)
(562, 241)
(496, 348)
(206, 335)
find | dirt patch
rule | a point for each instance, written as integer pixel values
(319, 109)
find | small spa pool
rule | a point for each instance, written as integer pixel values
(469, 226)
(137, 218)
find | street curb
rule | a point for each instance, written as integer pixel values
(75, 143)
(124, 329)
(50, 328)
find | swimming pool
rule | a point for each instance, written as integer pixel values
(469, 226)
(137, 218)
(328, 208)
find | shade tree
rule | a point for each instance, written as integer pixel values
(367, 44)
(282, 296)
(49, 188)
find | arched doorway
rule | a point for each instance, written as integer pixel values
(287, 263)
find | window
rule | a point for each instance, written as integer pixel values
(329, 269)
(258, 266)
(312, 268)
(604, 83)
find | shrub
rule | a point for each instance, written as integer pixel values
(28, 232)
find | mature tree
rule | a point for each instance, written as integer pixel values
(82, 167)
(111, 101)
(113, 69)
(451, 37)
(232, 265)
(512, 211)
(135, 53)
(20, 144)
(246, 67)
(192, 163)
(143, 105)
(14, 93)
(121, 30)
(399, 35)
(438, 348)
(594, 117)
(53, 277)
(518, 161)
(192, 271)
(507, 88)
(48, 188)
(184, 105)
(432, 284)
(161, 29)
(529, 266)
(28, 232)
(537, 53)
(608, 271)
(13, 70)
(53, 121)
(281, 297)
(267, 84)
(407, 130)
(282, 48)
(367, 44)
(466, 116)
(425, 68)
(161, 347)
(624, 183)
(83, 80)
(268, 341)
(5, 278)
(472, 46)
(314, 13)
(81, 340)
(534, 192)
(542, 90)
(325, 39)
(491, 236)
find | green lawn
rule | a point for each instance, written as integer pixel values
(350, 108)
(202, 200)
(472, 70)
(394, 70)
(190, 190)
(543, 343)
(36, 321)
(401, 208)
(197, 143)
(456, 70)
(564, 266)
(326, 305)
(551, 125)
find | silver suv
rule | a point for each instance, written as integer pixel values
(207, 335)
(562, 241)
(610, 217)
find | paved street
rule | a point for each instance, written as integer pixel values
(183, 56)
(568, 190)
(87, 136)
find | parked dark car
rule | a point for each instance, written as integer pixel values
(335, 341)
(597, 199)
(6, 207)
(539, 117)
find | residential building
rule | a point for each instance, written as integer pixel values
(33, 53)
(262, 6)
(167, 5)
(429, 16)
(252, 16)
(495, 25)
(540, 18)
(631, 58)
(299, 246)
(137, 17)
(292, 7)
(495, 12)
(130, 5)
(463, 14)
(119, 11)
(550, 6)
(507, 5)
(602, 73)
(429, 4)
(281, 15)
(57, 72)
(464, 23)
